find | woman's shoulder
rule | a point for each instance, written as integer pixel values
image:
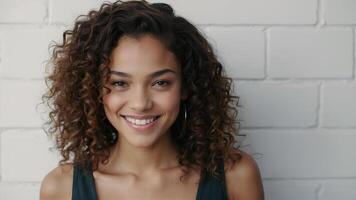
(243, 179)
(57, 184)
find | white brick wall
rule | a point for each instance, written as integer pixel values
(339, 189)
(65, 11)
(18, 101)
(293, 62)
(243, 58)
(291, 189)
(247, 12)
(304, 153)
(18, 11)
(310, 53)
(333, 114)
(19, 190)
(340, 12)
(291, 105)
(28, 148)
(25, 49)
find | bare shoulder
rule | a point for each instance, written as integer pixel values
(57, 184)
(243, 179)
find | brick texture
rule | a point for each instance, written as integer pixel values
(17, 11)
(306, 154)
(20, 103)
(290, 189)
(311, 53)
(19, 59)
(338, 107)
(241, 49)
(293, 65)
(291, 105)
(28, 148)
(247, 11)
(340, 12)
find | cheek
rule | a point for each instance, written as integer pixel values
(111, 103)
(169, 102)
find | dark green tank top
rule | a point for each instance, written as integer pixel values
(209, 189)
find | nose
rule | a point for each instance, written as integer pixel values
(140, 100)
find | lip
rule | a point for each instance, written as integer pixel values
(141, 116)
(144, 127)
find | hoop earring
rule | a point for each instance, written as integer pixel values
(185, 120)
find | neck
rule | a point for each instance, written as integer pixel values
(140, 160)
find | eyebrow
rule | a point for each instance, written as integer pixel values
(152, 75)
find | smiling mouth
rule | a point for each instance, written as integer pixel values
(140, 122)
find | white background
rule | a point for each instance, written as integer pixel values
(293, 62)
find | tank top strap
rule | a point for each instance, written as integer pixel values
(83, 184)
(212, 188)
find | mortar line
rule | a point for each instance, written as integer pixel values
(354, 54)
(267, 38)
(320, 22)
(319, 106)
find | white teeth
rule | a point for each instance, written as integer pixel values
(140, 122)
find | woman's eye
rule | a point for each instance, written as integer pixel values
(162, 83)
(118, 83)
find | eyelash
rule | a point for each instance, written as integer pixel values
(114, 83)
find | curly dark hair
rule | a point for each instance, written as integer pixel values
(80, 70)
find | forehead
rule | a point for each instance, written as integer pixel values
(142, 54)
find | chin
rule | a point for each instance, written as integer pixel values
(143, 142)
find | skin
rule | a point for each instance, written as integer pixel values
(143, 164)
(142, 94)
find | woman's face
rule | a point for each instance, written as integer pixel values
(145, 83)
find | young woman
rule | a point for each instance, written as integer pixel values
(142, 109)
